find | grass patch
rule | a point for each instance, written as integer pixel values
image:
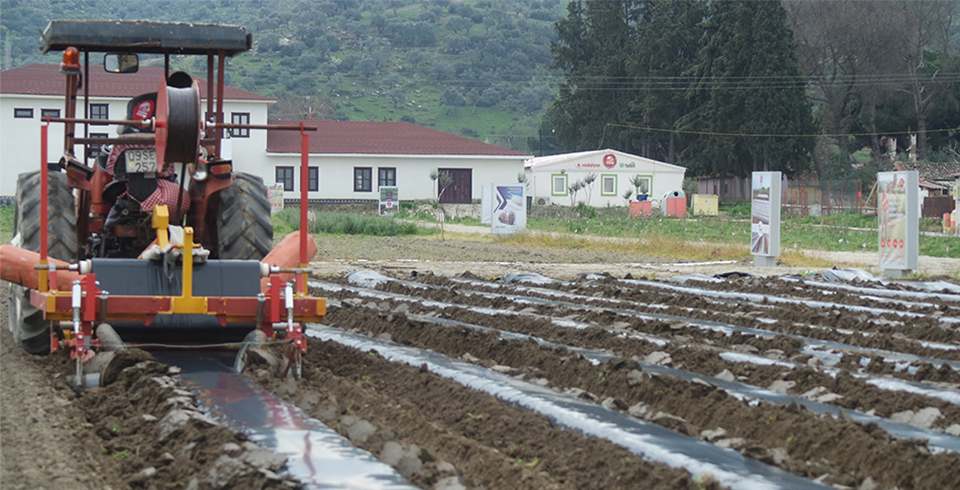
(288, 221)
(6, 223)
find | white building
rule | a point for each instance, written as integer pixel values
(549, 178)
(348, 160)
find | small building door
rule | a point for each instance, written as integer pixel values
(460, 191)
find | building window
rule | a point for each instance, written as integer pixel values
(387, 177)
(45, 113)
(99, 111)
(240, 118)
(646, 185)
(362, 179)
(559, 185)
(608, 185)
(23, 113)
(94, 151)
(314, 177)
(285, 177)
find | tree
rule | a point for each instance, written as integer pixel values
(367, 67)
(748, 95)
(457, 24)
(443, 181)
(666, 46)
(845, 48)
(452, 99)
(594, 42)
(396, 95)
(926, 30)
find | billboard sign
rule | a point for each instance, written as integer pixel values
(898, 211)
(275, 196)
(389, 199)
(765, 217)
(509, 209)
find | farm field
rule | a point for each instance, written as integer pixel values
(476, 365)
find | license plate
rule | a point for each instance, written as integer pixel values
(143, 161)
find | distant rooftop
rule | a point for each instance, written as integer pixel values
(381, 138)
(41, 79)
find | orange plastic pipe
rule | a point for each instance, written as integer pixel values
(286, 255)
(16, 266)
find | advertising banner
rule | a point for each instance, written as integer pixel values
(389, 200)
(765, 217)
(275, 196)
(509, 209)
(899, 224)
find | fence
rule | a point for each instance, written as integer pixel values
(813, 197)
(810, 197)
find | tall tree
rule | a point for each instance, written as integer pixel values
(665, 47)
(846, 49)
(594, 43)
(748, 97)
(924, 48)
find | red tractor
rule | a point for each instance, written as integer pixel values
(163, 169)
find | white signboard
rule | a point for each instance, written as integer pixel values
(275, 195)
(765, 218)
(486, 205)
(389, 200)
(509, 209)
(899, 225)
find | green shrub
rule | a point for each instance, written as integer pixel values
(288, 221)
(357, 224)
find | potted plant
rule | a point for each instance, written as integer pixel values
(640, 183)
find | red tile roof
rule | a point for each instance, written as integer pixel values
(380, 138)
(47, 80)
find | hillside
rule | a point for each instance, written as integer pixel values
(478, 68)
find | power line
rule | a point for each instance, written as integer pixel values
(762, 135)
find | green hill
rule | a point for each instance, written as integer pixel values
(478, 68)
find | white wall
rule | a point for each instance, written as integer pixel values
(20, 138)
(20, 152)
(413, 173)
(662, 181)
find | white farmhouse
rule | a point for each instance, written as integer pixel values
(549, 178)
(348, 160)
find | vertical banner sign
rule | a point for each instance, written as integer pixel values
(486, 205)
(509, 209)
(899, 223)
(275, 195)
(389, 200)
(765, 218)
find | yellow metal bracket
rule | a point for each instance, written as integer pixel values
(161, 221)
(187, 302)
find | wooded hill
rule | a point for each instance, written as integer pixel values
(478, 68)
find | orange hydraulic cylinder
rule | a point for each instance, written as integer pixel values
(16, 266)
(286, 255)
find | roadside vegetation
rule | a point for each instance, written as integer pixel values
(731, 228)
(288, 221)
(723, 237)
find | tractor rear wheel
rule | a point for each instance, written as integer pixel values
(244, 229)
(30, 331)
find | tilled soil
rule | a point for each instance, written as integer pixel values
(146, 431)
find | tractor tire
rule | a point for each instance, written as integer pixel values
(30, 331)
(61, 216)
(244, 229)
